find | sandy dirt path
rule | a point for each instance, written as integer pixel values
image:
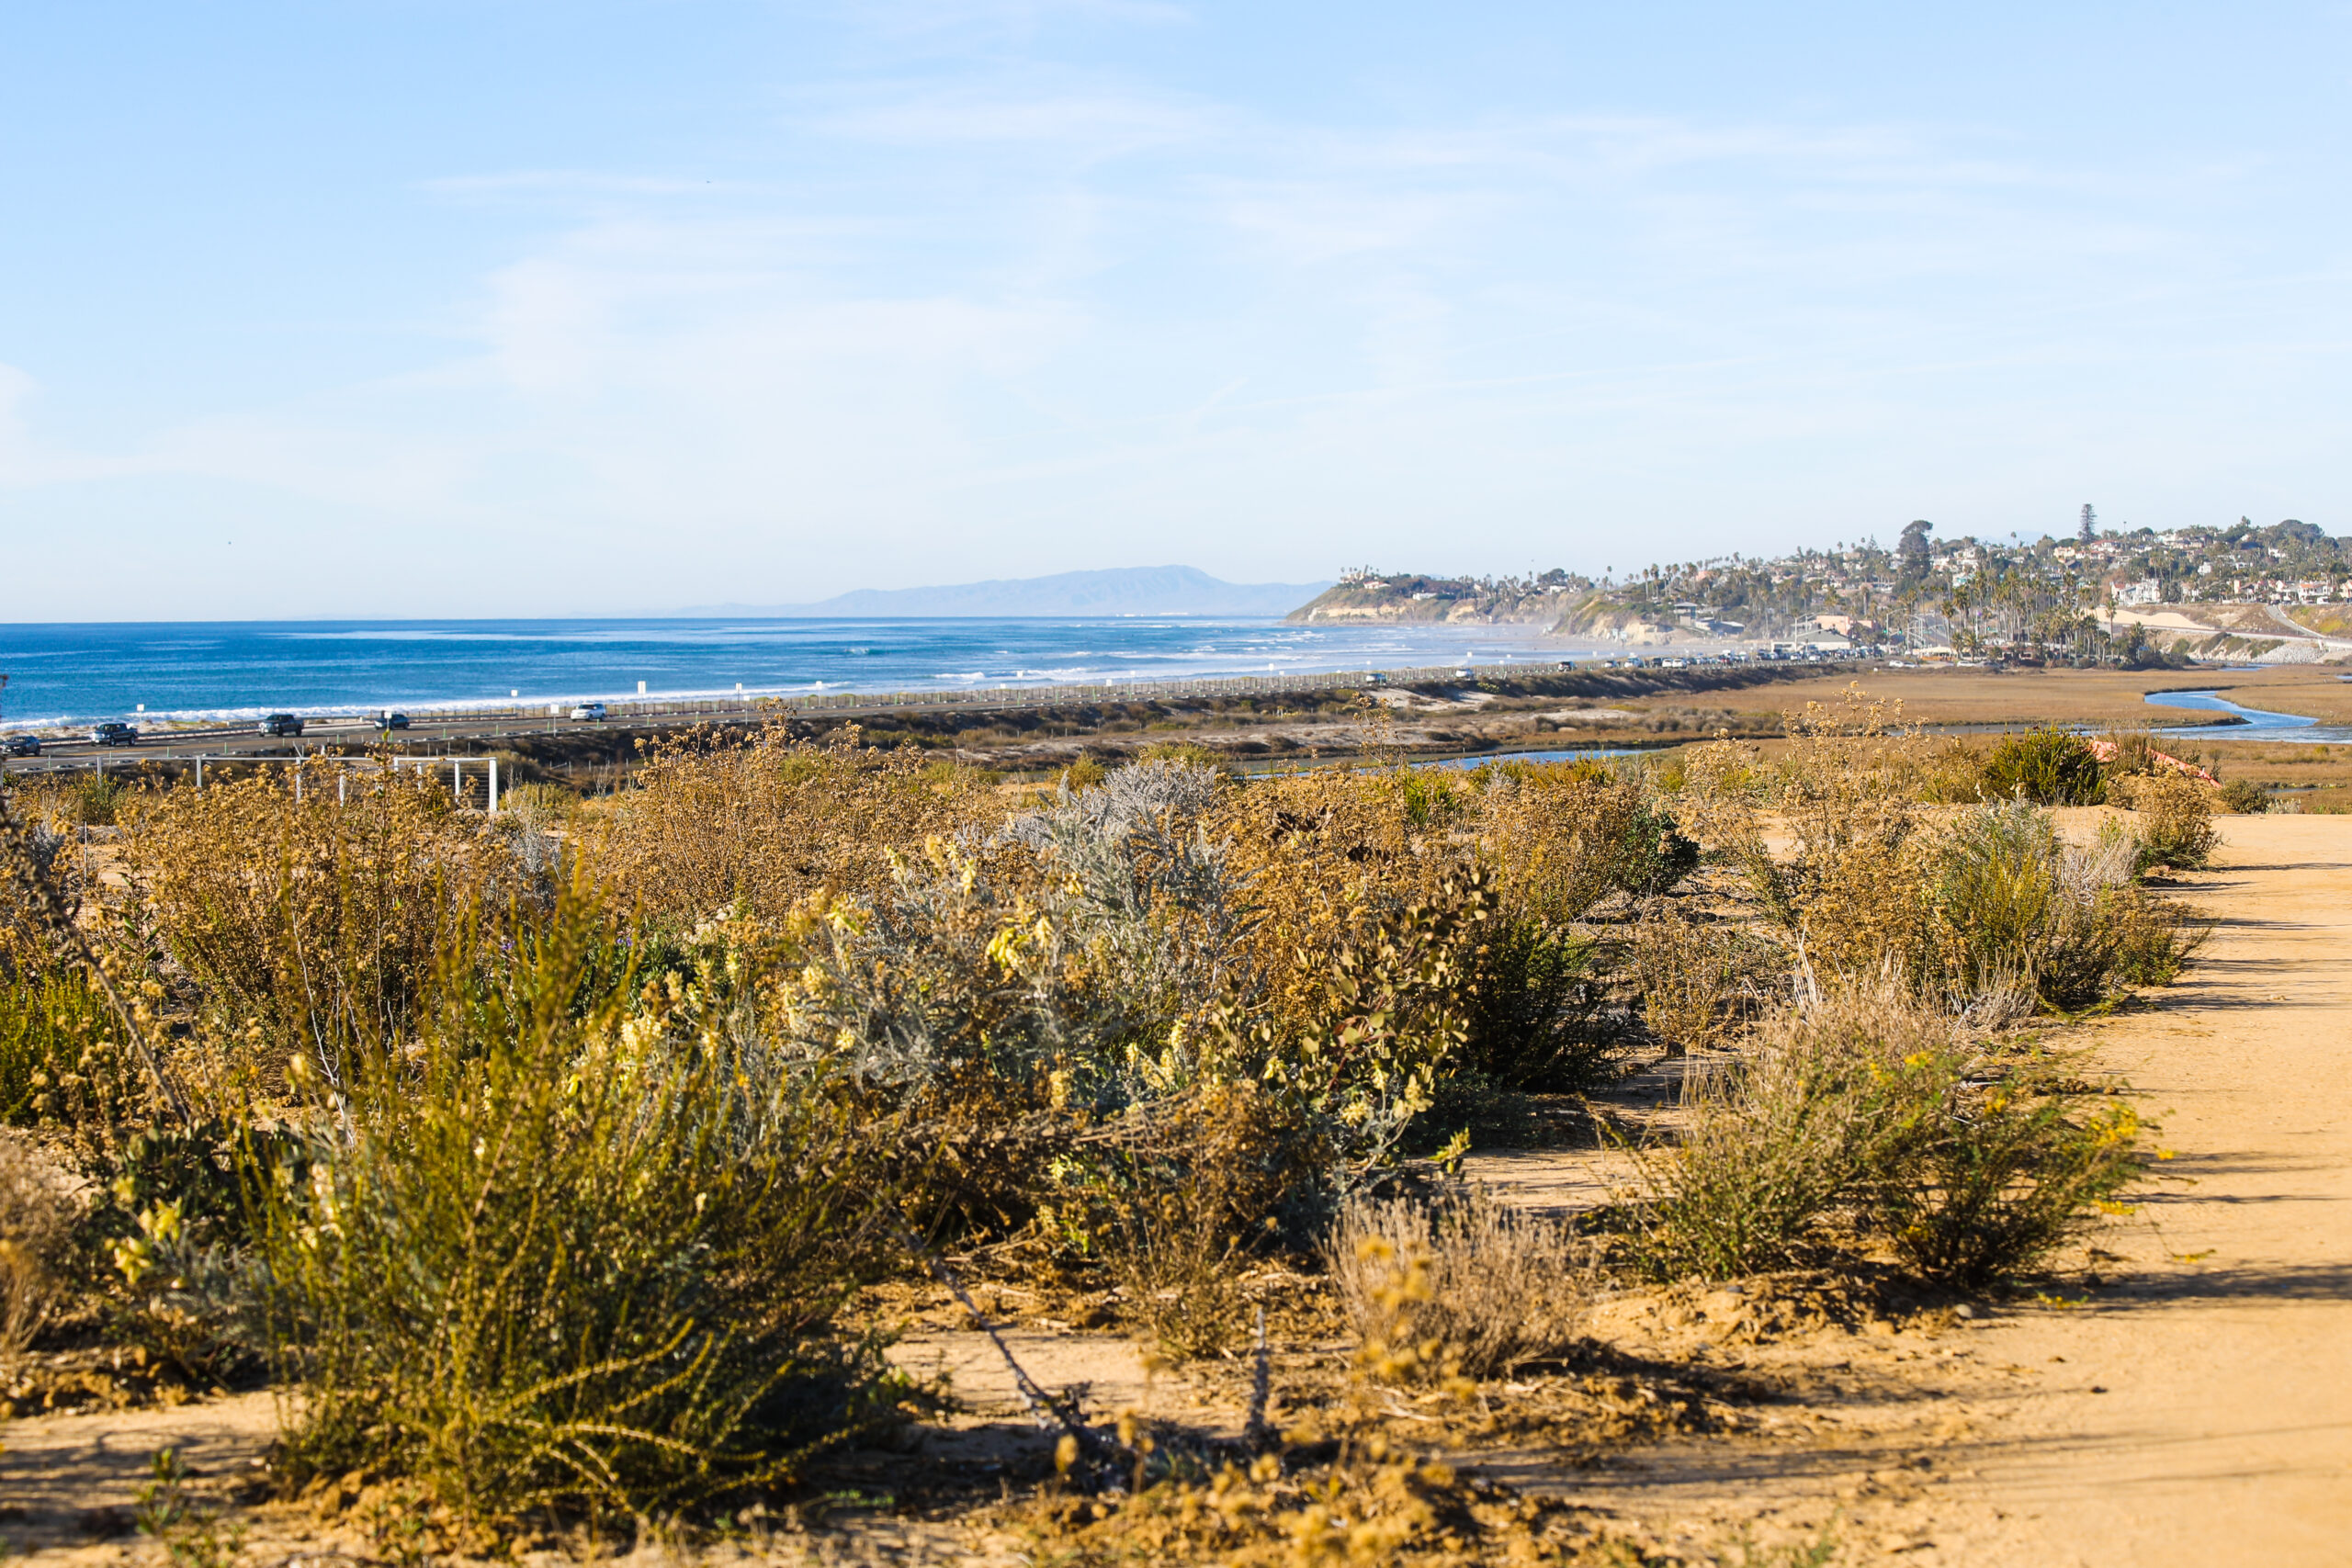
(2203, 1410)
(2186, 1405)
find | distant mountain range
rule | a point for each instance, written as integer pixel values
(1124, 591)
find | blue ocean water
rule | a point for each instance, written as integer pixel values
(74, 673)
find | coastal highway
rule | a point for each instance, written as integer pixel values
(427, 736)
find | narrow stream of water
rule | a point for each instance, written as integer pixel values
(2261, 724)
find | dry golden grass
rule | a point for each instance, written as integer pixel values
(1461, 1287)
(36, 1217)
(712, 826)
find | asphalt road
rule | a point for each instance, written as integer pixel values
(354, 735)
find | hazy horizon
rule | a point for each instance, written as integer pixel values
(447, 310)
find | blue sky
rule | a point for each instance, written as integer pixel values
(399, 307)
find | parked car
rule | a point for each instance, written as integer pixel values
(113, 734)
(394, 719)
(20, 746)
(589, 712)
(279, 724)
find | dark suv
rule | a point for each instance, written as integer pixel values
(279, 724)
(113, 733)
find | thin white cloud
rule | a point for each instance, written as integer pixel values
(1027, 318)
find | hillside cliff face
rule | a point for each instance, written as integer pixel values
(1603, 615)
(1399, 597)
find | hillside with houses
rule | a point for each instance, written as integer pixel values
(2275, 593)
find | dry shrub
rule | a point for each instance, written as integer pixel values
(1779, 1135)
(1179, 1197)
(2176, 814)
(1846, 791)
(712, 826)
(539, 807)
(1563, 838)
(1867, 1111)
(1988, 908)
(1698, 980)
(1461, 1287)
(1565, 835)
(311, 925)
(1367, 905)
(1326, 857)
(36, 1217)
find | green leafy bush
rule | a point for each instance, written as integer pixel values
(47, 1017)
(2002, 1174)
(2048, 767)
(1531, 1010)
(1782, 1136)
(2246, 797)
(2016, 904)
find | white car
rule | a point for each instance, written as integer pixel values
(589, 712)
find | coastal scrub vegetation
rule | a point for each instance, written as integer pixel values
(539, 1160)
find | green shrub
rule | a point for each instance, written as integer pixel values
(46, 1017)
(2002, 1175)
(1781, 1137)
(96, 799)
(1530, 1006)
(581, 1256)
(1866, 1110)
(2016, 906)
(2246, 797)
(2048, 767)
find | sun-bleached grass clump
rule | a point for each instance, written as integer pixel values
(1461, 1286)
(38, 1212)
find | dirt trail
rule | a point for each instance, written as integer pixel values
(2193, 1406)
(2222, 1430)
